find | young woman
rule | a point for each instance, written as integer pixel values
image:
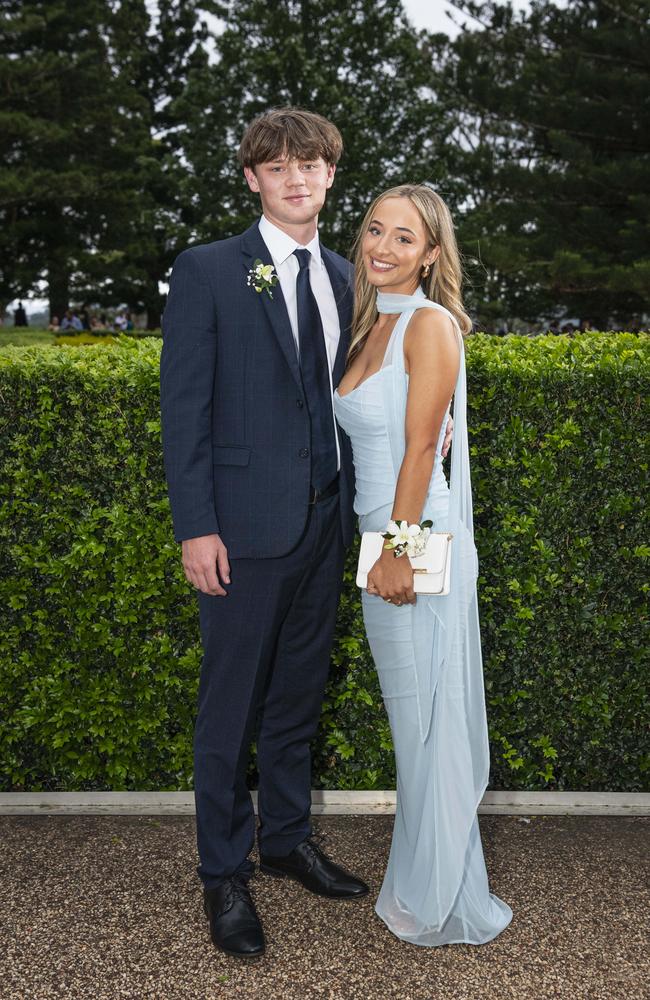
(406, 361)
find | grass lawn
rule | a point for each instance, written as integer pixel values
(24, 337)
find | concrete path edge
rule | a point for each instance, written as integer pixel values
(324, 803)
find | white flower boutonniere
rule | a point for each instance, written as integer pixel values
(407, 539)
(262, 277)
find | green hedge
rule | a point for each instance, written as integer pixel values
(100, 653)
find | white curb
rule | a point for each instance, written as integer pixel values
(324, 803)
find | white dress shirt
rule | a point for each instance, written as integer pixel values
(281, 246)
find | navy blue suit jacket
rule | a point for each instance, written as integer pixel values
(235, 423)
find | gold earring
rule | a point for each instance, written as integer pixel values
(425, 272)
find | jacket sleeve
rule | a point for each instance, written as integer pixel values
(187, 374)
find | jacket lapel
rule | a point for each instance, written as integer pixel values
(254, 248)
(344, 297)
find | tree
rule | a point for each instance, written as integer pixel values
(72, 133)
(358, 62)
(552, 143)
(158, 49)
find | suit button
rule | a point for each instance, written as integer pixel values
(299, 404)
(304, 452)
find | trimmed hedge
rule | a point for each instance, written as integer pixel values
(100, 653)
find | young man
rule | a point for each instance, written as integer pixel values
(261, 488)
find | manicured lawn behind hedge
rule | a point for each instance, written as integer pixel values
(20, 336)
(100, 654)
(33, 336)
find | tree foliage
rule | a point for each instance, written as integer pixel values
(358, 62)
(73, 131)
(121, 121)
(90, 182)
(553, 146)
(160, 47)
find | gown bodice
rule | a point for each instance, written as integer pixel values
(361, 414)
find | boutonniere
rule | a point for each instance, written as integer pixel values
(262, 277)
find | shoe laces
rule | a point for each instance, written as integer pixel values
(314, 843)
(238, 890)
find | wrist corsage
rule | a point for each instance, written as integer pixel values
(407, 539)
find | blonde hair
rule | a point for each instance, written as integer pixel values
(443, 284)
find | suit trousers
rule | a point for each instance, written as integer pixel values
(266, 658)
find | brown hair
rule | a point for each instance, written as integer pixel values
(443, 283)
(290, 132)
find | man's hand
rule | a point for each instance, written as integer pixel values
(449, 433)
(205, 561)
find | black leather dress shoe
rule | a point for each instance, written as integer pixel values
(234, 925)
(309, 865)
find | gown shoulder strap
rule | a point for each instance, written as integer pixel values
(407, 304)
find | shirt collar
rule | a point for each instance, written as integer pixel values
(281, 245)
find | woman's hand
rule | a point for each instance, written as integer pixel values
(392, 579)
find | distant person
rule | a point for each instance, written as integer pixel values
(20, 316)
(585, 325)
(129, 321)
(554, 328)
(71, 321)
(66, 322)
(84, 317)
(54, 324)
(120, 322)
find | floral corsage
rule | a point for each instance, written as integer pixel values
(407, 539)
(262, 277)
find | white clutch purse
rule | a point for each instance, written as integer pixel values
(431, 571)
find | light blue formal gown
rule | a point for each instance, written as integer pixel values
(428, 657)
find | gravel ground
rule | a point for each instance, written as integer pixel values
(99, 908)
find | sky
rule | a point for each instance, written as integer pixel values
(432, 14)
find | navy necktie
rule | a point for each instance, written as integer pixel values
(315, 378)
